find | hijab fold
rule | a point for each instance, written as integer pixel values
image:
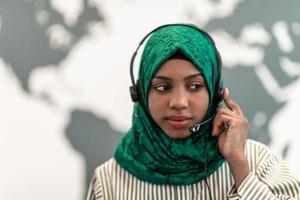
(145, 150)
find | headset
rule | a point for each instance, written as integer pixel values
(135, 90)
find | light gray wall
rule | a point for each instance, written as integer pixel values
(64, 77)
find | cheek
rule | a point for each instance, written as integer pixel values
(152, 103)
(200, 103)
(155, 103)
(157, 107)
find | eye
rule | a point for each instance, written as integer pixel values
(162, 87)
(195, 86)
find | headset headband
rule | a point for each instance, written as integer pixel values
(134, 89)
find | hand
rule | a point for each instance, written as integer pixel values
(231, 128)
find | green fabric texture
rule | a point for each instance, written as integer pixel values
(145, 150)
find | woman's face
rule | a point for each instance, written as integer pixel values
(178, 97)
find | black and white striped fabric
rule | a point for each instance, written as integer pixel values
(269, 179)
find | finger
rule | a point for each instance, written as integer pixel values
(231, 104)
(226, 111)
(222, 113)
(218, 123)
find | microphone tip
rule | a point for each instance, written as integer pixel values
(195, 128)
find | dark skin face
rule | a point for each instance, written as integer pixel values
(178, 97)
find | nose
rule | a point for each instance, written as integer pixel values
(178, 100)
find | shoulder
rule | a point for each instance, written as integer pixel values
(105, 169)
(257, 152)
(252, 144)
(100, 185)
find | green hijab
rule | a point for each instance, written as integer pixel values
(146, 151)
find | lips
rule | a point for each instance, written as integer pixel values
(179, 121)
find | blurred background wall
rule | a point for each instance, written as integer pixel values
(64, 78)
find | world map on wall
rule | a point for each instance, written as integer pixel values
(64, 81)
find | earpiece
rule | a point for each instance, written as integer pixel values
(135, 88)
(135, 91)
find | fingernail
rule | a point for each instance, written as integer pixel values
(227, 91)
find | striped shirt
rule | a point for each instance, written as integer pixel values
(269, 179)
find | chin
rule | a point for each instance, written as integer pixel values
(178, 135)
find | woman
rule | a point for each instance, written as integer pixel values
(162, 157)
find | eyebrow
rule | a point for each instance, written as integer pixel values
(167, 78)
